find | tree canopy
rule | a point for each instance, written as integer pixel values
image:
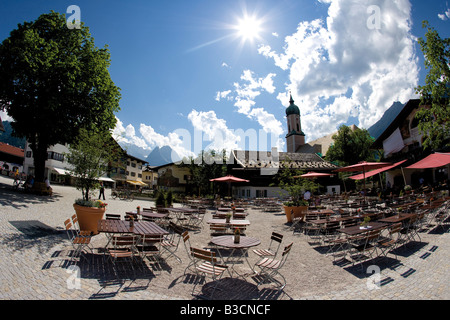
(54, 81)
(208, 165)
(90, 156)
(351, 146)
(434, 120)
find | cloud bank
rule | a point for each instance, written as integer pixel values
(354, 64)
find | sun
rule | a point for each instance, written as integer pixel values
(248, 28)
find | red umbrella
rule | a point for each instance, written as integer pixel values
(364, 166)
(229, 179)
(313, 174)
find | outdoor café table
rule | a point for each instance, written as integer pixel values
(156, 215)
(241, 248)
(398, 218)
(182, 214)
(140, 228)
(355, 230)
(324, 220)
(226, 209)
(325, 212)
(236, 215)
(238, 222)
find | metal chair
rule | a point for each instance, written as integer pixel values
(112, 216)
(123, 249)
(205, 264)
(270, 268)
(79, 240)
(171, 242)
(274, 246)
(390, 243)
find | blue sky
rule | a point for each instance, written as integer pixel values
(190, 80)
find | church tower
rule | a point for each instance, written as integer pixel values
(295, 137)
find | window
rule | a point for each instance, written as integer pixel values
(133, 164)
(28, 155)
(55, 156)
(133, 174)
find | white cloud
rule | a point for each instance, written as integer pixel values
(275, 34)
(222, 95)
(214, 130)
(344, 67)
(150, 139)
(244, 95)
(444, 16)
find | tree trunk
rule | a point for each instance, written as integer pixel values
(39, 149)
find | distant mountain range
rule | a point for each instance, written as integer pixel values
(162, 155)
(389, 115)
(157, 157)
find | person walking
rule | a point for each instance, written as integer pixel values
(102, 191)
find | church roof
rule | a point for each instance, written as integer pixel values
(265, 159)
(292, 109)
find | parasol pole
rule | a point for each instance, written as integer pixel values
(404, 179)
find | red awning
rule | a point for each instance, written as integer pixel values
(434, 160)
(374, 172)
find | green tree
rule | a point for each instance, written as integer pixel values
(208, 165)
(351, 146)
(434, 121)
(54, 81)
(288, 179)
(90, 156)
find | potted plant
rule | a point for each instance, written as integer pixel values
(365, 223)
(228, 217)
(237, 235)
(408, 189)
(89, 157)
(295, 186)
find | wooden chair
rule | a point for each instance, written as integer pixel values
(171, 242)
(365, 246)
(274, 246)
(205, 265)
(123, 249)
(270, 268)
(388, 244)
(78, 240)
(218, 229)
(187, 246)
(112, 216)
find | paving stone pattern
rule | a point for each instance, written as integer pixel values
(35, 261)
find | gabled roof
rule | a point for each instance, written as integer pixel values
(265, 159)
(6, 148)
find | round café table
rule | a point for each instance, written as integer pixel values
(240, 248)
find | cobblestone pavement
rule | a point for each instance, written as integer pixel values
(35, 261)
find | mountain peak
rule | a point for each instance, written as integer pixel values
(389, 115)
(162, 155)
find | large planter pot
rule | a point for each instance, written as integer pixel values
(88, 217)
(295, 211)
